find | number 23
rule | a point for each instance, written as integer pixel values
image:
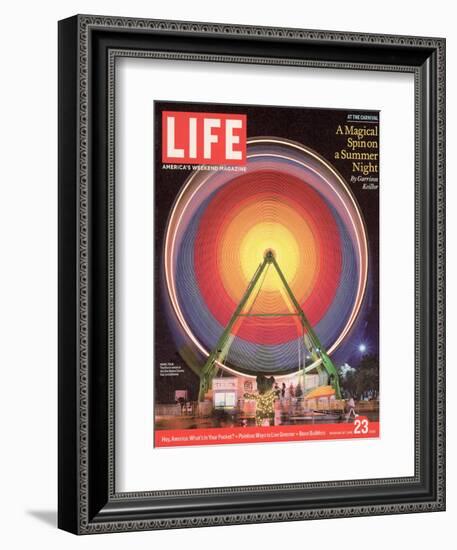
(360, 426)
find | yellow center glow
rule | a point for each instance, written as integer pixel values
(245, 242)
(274, 236)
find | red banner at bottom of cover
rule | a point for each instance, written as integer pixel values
(360, 428)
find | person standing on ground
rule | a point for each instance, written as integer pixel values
(351, 409)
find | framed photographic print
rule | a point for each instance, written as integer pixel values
(251, 274)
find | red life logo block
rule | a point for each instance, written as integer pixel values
(203, 138)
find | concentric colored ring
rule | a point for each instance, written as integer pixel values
(293, 202)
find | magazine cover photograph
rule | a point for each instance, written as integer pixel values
(266, 290)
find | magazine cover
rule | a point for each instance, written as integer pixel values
(266, 275)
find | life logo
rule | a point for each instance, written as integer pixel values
(203, 138)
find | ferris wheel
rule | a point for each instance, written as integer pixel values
(265, 270)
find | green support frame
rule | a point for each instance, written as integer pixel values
(321, 360)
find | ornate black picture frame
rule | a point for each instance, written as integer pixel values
(88, 501)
